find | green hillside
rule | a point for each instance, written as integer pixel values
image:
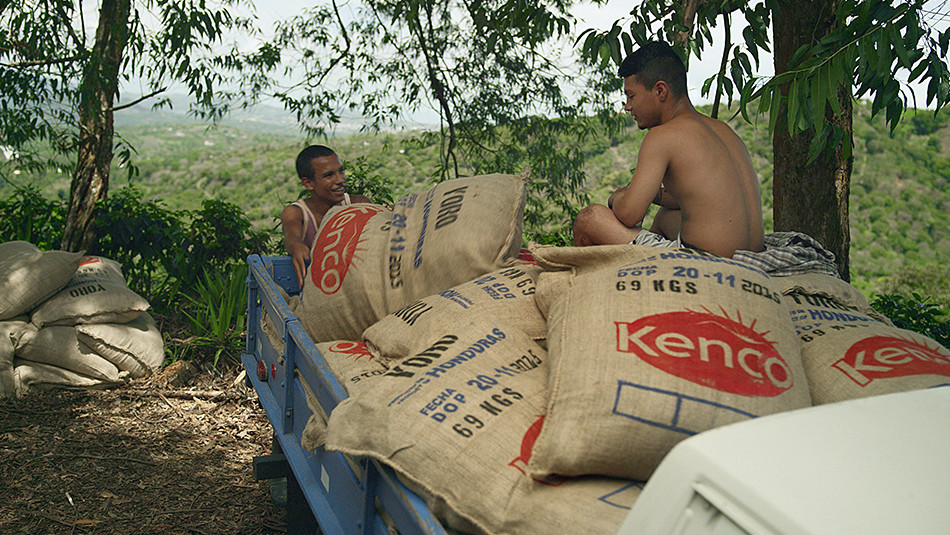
(900, 202)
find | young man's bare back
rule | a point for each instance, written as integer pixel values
(695, 167)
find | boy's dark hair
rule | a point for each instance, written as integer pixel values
(655, 61)
(304, 168)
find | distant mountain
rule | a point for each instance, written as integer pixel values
(261, 118)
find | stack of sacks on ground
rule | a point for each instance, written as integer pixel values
(369, 261)
(75, 323)
(851, 351)
(646, 353)
(457, 420)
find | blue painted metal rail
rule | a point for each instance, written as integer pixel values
(346, 495)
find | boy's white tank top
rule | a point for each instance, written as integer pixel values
(310, 223)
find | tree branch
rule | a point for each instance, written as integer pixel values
(438, 90)
(41, 62)
(138, 100)
(335, 61)
(722, 64)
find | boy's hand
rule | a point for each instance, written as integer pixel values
(300, 255)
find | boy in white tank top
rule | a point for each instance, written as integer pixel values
(322, 174)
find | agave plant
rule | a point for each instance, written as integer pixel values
(216, 313)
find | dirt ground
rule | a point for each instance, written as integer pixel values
(143, 458)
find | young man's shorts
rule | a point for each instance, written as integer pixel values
(655, 240)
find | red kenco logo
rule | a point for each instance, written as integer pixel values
(708, 350)
(336, 244)
(527, 446)
(357, 350)
(887, 357)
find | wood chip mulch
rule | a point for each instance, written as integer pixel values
(143, 459)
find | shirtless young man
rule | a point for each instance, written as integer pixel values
(694, 167)
(322, 174)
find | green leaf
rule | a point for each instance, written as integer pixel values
(794, 106)
(832, 87)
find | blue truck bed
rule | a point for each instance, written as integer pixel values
(346, 495)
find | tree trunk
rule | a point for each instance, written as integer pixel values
(811, 197)
(98, 88)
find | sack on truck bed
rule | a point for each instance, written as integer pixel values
(506, 295)
(96, 293)
(849, 354)
(29, 276)
(354, 367)
(368, 261)
(458, 420)
(562, 265)
(646, 354)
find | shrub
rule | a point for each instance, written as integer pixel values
(143, 236)
(932, 280)
(916, 314)
(219, 235)
(27, 216)
(215, 318)
(363, 179)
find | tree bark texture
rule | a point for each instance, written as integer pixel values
(98, 87)
(811, 197)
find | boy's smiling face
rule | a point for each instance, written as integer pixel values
(328, 180)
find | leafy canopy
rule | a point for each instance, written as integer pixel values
(870, 44)
(480, 68)
(46, 45)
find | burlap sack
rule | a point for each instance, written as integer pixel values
(564, 264)
(505, 295)
(97, 293)
(354, 367)
(818, 284)
(29, 375)
(29, 276)
(270, 328)
(849, 354)
(9, 331)
(649, 353)
(59, 346)
(369, 261)
(584, 260)
(559, 503)
(136, 347)
(458, 419)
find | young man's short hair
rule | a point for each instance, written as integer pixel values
(655, 61)
(304, 167)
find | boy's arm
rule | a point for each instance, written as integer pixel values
(291, 221)
(631, 205)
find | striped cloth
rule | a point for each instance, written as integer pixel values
(790, 253)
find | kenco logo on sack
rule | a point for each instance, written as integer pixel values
(357, 350)
(527, 445)
(708, 350)
(336, 245)
(886, 357)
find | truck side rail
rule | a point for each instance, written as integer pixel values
(344, 493)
